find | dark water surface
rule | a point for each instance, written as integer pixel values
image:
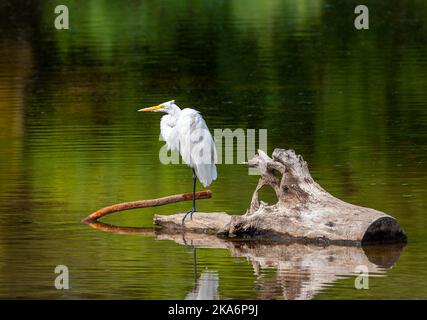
(353, 103)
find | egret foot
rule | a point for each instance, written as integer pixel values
(188, 213)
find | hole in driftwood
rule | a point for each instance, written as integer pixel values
(277, 174)
(267, 194)
(384, 230)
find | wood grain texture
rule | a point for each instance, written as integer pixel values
(304, 212)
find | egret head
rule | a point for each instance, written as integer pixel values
(167, 107)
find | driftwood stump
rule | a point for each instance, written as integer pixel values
(304, 212)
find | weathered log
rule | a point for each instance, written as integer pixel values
(210, 223)
(304, 212)
(145, 203)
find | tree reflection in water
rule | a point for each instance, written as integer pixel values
(302, 270)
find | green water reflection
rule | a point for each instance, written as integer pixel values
(353, 103)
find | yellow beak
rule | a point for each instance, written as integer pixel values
(151, 108)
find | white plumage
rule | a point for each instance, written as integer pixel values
(186, 131)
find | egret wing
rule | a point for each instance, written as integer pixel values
(197, 146)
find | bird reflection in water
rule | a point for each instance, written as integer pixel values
(205, 288)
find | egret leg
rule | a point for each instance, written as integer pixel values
(193, 209)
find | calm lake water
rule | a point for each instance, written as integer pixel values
(353, 103)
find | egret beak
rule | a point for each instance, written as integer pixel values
(151, 108)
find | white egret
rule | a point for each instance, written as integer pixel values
(186, 131)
